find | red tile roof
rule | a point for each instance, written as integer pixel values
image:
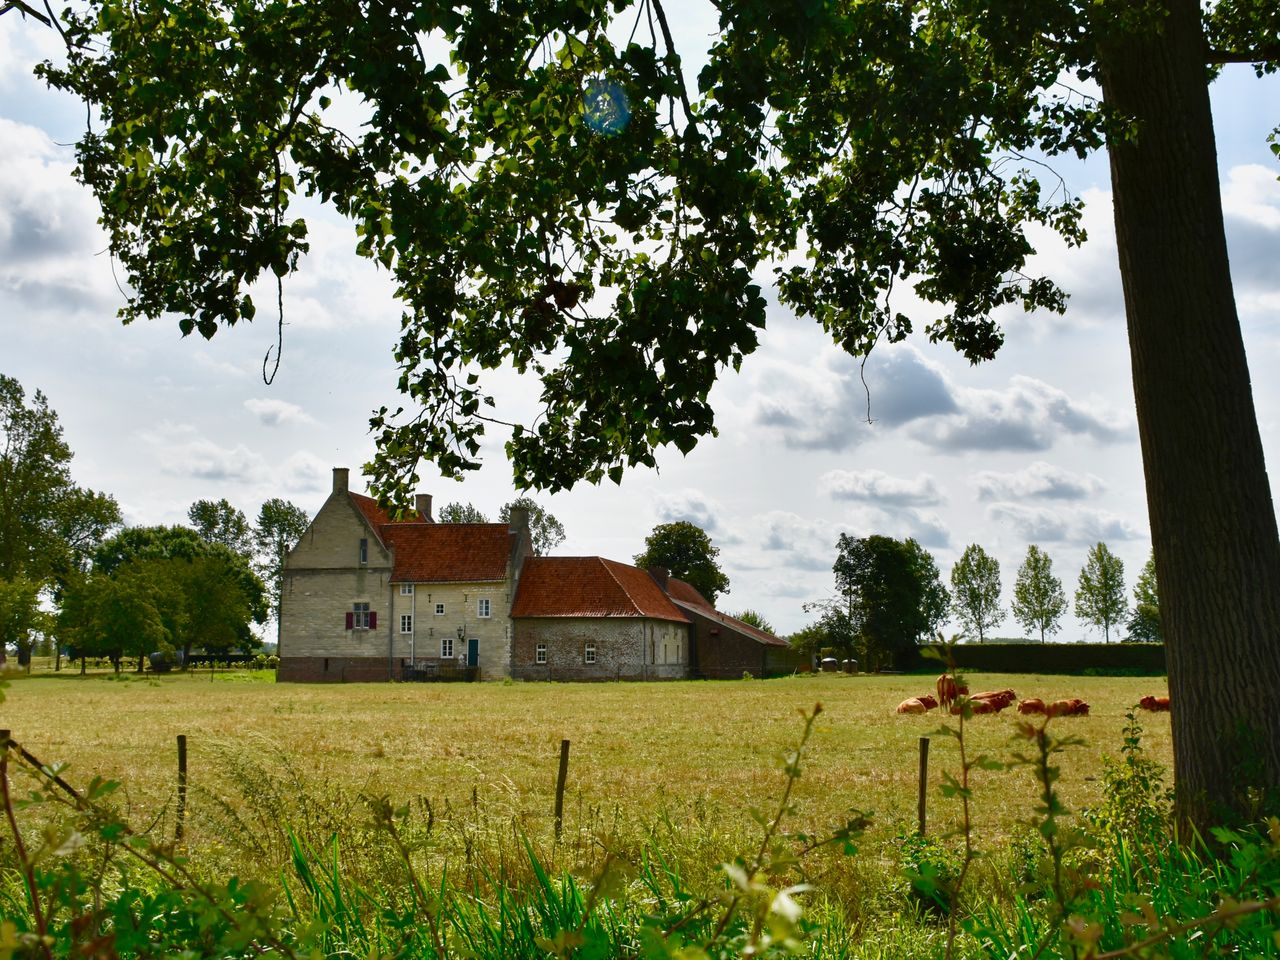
(378, 517)
(590, 587)
(448, 552)
(427, 552)
(687, 593)
(733, 623)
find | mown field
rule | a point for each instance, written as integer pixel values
(692, 752)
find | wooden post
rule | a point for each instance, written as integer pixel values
(924, 780)
(564, 774)
(182, 786)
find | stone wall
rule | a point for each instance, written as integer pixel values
(626, 648)
(323, 579)
(461, 610)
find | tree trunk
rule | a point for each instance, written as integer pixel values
(1213, 524)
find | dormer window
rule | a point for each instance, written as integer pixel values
(364, 551)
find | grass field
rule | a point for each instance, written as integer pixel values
(701, 752)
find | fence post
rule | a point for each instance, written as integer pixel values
(924, 780)
(564, 774)
(182, 787)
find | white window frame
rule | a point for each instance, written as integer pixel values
(446, 648)
(406, 589)
(359, 616)
(364, 551)
(589, 653)
(484, 609)
(406, 623)
(540, 653)
(439, 609)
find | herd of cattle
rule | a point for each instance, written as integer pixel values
(953, 697)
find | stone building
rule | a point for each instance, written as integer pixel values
(367, 596)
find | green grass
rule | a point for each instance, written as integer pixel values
(695, 751)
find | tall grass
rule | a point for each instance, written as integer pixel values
(341, 872)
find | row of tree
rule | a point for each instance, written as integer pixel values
(890, 596)
(71, 577)
(1039, 602)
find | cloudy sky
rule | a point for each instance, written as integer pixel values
(1039, 446)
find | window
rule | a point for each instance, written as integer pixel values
(364, 550)
(439, 609)
(406, 623)
(589, 654)
(482, 607)
(360, 616)
(406, 589)
(446, 647)
(540, 654)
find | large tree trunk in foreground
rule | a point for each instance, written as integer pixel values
(1213, 524)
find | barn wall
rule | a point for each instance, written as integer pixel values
(627, 648)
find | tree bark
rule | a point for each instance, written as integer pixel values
(1213, 524)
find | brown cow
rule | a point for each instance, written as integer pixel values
(1001, 698)
(912, 705)
(1031, 705)
(975, 706)
(1075, 707)
(948, 690)
(928, 701)
(1156, 704)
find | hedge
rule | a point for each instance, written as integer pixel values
(1069, 658)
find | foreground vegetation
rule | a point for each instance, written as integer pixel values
(292, 787)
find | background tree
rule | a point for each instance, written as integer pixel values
(280, 526)
(544, 158)
(20, 617)
(755, 619)
(115, 616)
(1100, 591)
(892, 595)
(975, 591)
(208, 593)
(48, 525)
(1144, 622)
(460, 513)
(546, 530)
(688, 554)
(1038, 600)
(219, 522)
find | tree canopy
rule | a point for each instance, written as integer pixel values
(975, 591)
(1100, 591)
(688, 554)
(460, 513)
(1038, 600)
(1144, 621)
(555, 199)
(890, 596)
(219, 522)
(280, 526)
(48, 525)
(547, 532)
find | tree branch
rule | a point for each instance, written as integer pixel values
(675, 57)
(1261, 55)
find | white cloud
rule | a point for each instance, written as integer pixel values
(1072, 525)
(204, 460)
(1040, 480)
(877, 487)
(273, 413)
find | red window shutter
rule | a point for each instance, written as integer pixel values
(373, 620)
(351, 620)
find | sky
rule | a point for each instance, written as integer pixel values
(1038, 446)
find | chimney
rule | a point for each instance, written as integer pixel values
(423, 503)
(519, 521)
(660, 575)
(340, 479)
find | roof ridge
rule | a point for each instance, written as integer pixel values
(605, 562)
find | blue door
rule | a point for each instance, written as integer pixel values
(473, 652)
